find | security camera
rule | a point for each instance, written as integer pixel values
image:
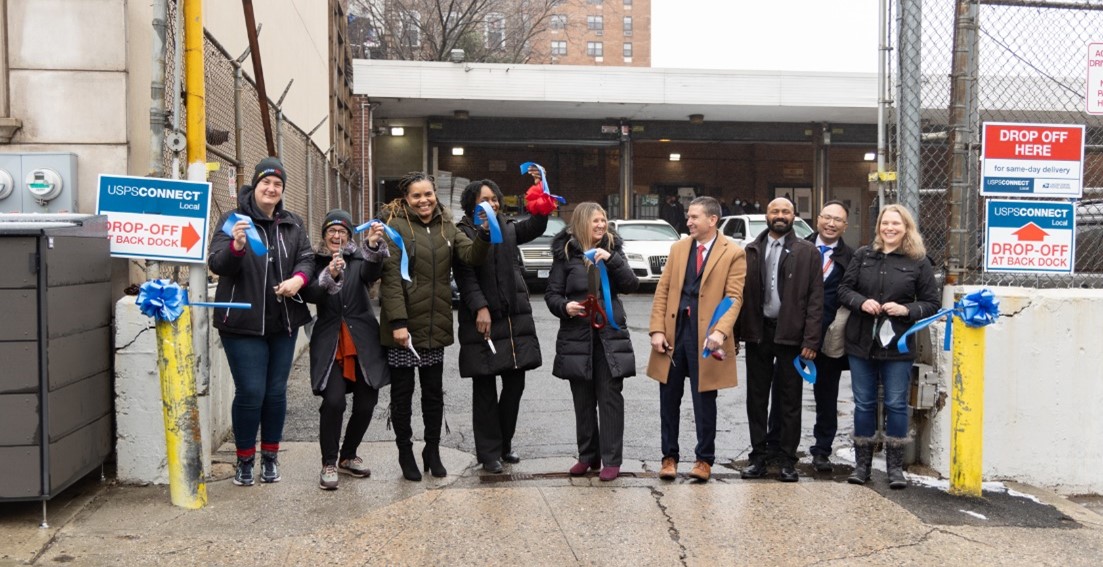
(456, 56)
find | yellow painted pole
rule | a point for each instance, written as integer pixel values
(196, 127)
(967, 410)
(176, 362)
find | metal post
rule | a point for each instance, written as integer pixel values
(239, 118)
(157, 90)
(181, 412)
(909, 128)
(967, 410)
(626, 192)
(258, 74)
(309, 192)
(963, 117)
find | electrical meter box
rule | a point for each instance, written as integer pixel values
(38, 183)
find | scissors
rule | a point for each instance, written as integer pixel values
(593, 308)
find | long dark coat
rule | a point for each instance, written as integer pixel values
(572, 278)
(498, 285)
(800, 288)
(351, 305)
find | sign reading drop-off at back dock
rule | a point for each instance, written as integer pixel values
(1032, 160)
(1029, 236)
(160, 219)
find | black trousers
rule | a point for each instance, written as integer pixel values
(494, 417)
(432, 402)
(332, 412)
(826, 390)
(599, 413)
(771, 365)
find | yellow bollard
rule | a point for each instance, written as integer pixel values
(967, 410)
(175, 362)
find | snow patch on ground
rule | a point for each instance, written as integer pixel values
(974, 514)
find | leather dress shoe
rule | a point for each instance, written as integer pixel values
(511, 457)
(821, 463)
(757, 469)
(669, 470)
(701, 471)
(494, 466)
(788, 474)
(580, 468)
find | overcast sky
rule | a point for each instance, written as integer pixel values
(784, 35)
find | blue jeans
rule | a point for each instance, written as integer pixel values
(896, 377)
(260, 366)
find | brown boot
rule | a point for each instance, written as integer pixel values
(669, 470)
(701, 471)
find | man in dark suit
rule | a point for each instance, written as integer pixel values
(780, 319)
(672, 212)
(836, 256)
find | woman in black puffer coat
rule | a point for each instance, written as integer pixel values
(345, 354)
(495, 307)
(594, 361)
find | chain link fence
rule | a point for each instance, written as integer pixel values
(236, 141)
(956, 65)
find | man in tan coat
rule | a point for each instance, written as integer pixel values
(700, 272)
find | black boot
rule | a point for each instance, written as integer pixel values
(863, 460)
(408, 464)
(894, 457)
(431, 456)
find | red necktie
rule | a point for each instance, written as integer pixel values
(700, 257)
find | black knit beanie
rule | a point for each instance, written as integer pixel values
(269, 166)
(337, 217)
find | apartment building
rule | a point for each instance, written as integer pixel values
(596, 32)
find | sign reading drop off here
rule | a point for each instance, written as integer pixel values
(159, 219)
(1032, 160)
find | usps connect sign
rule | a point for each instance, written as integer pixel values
(1029, 236)
(1025, 160)
(160, 219)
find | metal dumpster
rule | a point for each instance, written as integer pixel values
(55, 352)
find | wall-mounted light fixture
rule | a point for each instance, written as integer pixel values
(675, 157)
(398, 131)
(696, 118)
(457, 151)
(871, 156)
(664, 140)
(461, 114)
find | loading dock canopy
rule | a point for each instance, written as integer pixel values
(416, 89)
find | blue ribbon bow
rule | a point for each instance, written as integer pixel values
(491, 220)
(404, 263)
(719, 312)
(976, 309)
(164, 300)
(544, 180)
(806, 368)
(606, 294)
(251, 233)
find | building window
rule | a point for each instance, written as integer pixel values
(411, 29)
(595, 49)
(627, 2)
(628, 25)
(495, 31)
(558, 22)
(595, 24)
(596, 2)
(558, 48)
(628, 51)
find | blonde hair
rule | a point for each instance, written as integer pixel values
(579, 227)
(912, 243)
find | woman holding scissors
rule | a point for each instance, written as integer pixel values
(416, 311)
(497, 333)
(593, 349)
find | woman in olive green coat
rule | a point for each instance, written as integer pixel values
(416, 316)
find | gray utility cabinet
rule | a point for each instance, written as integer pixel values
(55, 352)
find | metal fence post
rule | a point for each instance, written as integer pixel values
(908, 118)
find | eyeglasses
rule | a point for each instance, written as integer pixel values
(829, 218)
(335, 231)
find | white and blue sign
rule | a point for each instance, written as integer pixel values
(159, 219)
(1030, 236)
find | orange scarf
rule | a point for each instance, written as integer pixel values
(346, 353)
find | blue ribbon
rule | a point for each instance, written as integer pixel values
(251, 233)
(164, 300)
(806, 368)
(976, 309)
(606, 294)
(719, 312)
(544, 180)
(491, 219)
(404, 263)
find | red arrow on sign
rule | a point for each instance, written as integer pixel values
(1031, 232)
(188, 237)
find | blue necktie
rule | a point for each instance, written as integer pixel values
(823, 249)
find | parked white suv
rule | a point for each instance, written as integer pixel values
(743, 229)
